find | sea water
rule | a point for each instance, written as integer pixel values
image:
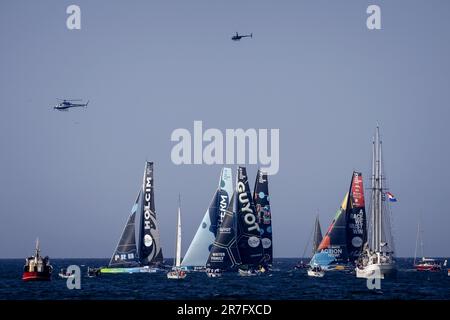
(284, 284)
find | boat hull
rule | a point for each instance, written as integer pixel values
(316, 274)
(176, 275)
(430, 268)
(213, 274)
(129, 270)
(377, 270)
(36, 276)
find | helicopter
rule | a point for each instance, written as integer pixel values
(238, 37)
(66, 104)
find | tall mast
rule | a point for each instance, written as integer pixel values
(417, 240)
(178, 240)
(373, 196)
(380, 192)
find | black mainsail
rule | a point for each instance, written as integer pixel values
(262, 204)
(125, 255)
(150, 251)
(317, 235)
(248, 230)
(224, 254)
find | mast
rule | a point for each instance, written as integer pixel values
(380, 193)
(372, 209)
(37, 247)
(178, 241)
(417, 240)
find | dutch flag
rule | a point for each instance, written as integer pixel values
(391, 197)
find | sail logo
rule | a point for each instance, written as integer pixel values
(266, 243)
(253, 242)
(148, 241)
(249, 216)
(223, 206)
(334, 252)
(229, 148)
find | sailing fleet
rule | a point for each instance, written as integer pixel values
(235, 233)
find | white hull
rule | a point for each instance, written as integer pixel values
(176, 275)
(377, 270)
(316, 274)
(248, 273)
(213, 275)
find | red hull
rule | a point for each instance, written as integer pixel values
(36, 276)
(428, 268)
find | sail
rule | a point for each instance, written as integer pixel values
(248, 230)
(356, 218)
(262, 204)
(335, 241)
(178, 241)
(317, 235)
(125, 255)
(224, 254)
(150, 251)
(344, 240)
(199, 249)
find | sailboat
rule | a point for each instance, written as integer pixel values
(199, 250)
(176, 272)
(224, 254)
(139, 250)
(261, 199)
(377, 259)
(344, 239)
(238, 241)
(248, 230)
(425, 264)
(317, 239)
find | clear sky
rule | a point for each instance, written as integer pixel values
(312, 69)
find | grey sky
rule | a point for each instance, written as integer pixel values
(312, 69)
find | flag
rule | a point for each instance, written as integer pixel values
(391, 197)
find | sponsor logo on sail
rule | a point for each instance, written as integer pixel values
(357, 242)
(253, 242)
(266, 243)
(148, 241)
(249, 215)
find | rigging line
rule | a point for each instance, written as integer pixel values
(307, 243)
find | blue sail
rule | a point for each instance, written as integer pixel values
(199, 249)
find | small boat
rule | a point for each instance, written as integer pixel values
(93, 272)
(316, 271)
(316, 234)
(37, 268)
(448, 272)
(64, 274)
(425, 264)
(176, 272)
(428, 264)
